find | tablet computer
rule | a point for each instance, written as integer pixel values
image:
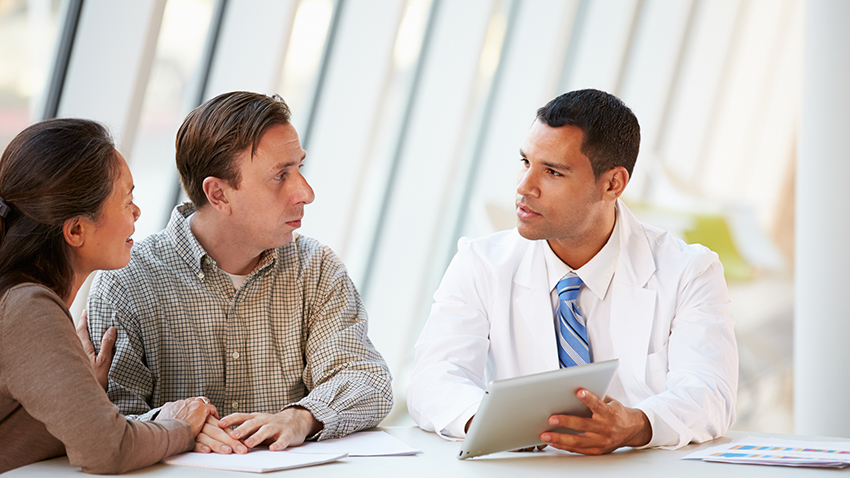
(514, 412)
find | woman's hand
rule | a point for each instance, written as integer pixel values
(101, 362)
(193, 411)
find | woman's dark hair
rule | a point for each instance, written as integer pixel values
(52, 171)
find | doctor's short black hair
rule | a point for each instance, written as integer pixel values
(611, 131)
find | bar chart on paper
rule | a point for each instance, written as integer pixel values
(777, 452)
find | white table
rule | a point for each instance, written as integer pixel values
(438, 460)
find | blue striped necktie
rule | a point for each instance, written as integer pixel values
(573, 347)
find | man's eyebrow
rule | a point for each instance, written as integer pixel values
(552, 165)
(548, 164)
(289, 164)
(284, 165)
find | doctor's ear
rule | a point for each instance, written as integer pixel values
(614, 182)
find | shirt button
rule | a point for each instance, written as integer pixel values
(235, 405)
(200, 275)
(235, 355)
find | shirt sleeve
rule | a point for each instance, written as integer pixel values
(349, 381)
(447, 383)
(131, 382)
(698, 403)
(38, 340)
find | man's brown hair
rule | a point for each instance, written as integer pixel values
(213, 134)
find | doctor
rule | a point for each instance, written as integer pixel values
(581, 280)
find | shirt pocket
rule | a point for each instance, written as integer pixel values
(656, 370)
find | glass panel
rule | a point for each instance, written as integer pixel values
(406, 51)
(169, 97)
(28, 33)
(304, 58)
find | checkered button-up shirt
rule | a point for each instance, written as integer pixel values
(294, 333)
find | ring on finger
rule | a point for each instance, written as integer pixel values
(203, 399)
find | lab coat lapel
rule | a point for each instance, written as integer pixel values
(533, 308)
(632, 306)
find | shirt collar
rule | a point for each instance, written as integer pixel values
(598, 271)
(191, 251)
(188, 248)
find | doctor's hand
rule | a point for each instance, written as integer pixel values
(611, 426)
(280, 430)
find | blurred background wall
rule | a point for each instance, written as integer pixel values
(412, 113)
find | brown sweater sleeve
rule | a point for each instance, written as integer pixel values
(44, 368)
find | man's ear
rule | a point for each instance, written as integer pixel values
(614, 182)
(216, 191)
(74, 231)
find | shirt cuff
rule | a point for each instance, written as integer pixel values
(455, 429)
(324, 414)
(663, 435)
(148, 416)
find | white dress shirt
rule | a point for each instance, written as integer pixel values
(596, 276)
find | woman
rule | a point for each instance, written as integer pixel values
(66, 209)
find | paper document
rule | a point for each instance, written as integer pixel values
(777, 451)
(374, 443)
(255, 461)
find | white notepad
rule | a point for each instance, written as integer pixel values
(365, 443)
(255, 461)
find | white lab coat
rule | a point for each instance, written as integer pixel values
(669, 325)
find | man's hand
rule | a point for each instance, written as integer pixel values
(611, 426)
(213, 438)
(102, 361)
(193, 411)
(283, 429)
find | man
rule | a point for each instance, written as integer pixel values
(505, 309)
(228, 303)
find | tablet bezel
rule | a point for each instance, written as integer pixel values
(515, 411)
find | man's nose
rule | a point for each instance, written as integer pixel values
(305, 193)
(526, 183)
